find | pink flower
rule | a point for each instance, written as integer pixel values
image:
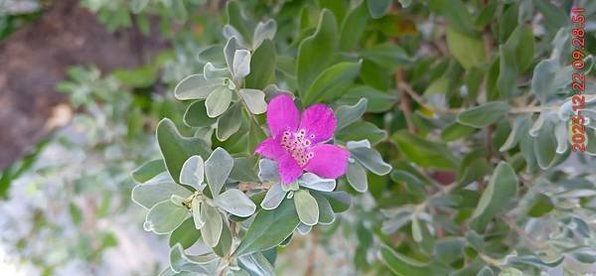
(298, 144)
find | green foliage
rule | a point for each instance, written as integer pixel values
(462, 121)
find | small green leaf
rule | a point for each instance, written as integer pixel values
(541, 205)
(306, 207)
(352, 27)
(273, 197)
(356, 176)
(483, 115)
(269, 229)
(217, 169)
(545, 144)
(192, 173)
(262, 66)
(455, 131)
(197, 87)
(264, 31)
(347, 114)
(148, 170)
(340, 201)
(180, 263)
(211, 231)
(186, 234)
(237, 19)
(156, 190)
(377, 101)
(467, 50)
(230, 50)
(423, 152)
(241, 64)
(236, 203)
(543, 79)
(501, 189)
(176, 149)
(229, 123)
(386, 55)
(196, 115)
(371, 159)
(256, 264)
(325, 87)
(361, 130)
(268, 170)
(315, 53)
(326, 214)
(254, 100)
(164, 217)
(218, 101)
(212, 72)
(314, 182)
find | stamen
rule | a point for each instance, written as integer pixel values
(298, 146)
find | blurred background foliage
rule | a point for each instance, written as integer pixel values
(467, 100)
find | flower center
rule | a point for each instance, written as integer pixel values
(298, 146)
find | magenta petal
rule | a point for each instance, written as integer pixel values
(270, 148)
(282, 115)
(288, 169)
(319, 121)
(329, 161)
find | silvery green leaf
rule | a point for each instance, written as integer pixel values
(217, 169)
(196, 213)
(561, 136)
(274, 196)
(326, 213)
(416, 230)
(520, 128)
(197, 87)
(205, 133)
(371, 159)
(211, 231)
(230, 32)
(211, 72)
(358, 144)
(236, 203)
(254, 99)
(218, 101)
(537, 125)
(314, 182)
(268, 170)
(543, 79)
(356, 176)
(241, 64)
(229, 50)
(306, 207)
(192, 171)
(347, 114)
(257, 264)
(264, 30)
(303, 229)
(229, 122)
(164, 217)
(180, 262)
(156, 190)
(396, 222)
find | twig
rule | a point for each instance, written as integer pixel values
(404, 100)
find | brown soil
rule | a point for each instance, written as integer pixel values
(35, 58)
